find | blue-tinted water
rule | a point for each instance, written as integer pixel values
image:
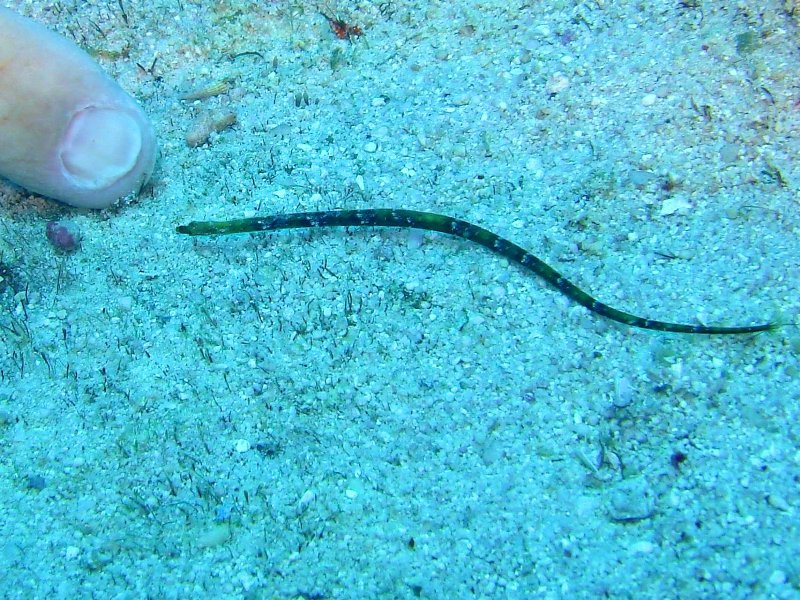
(370, 413)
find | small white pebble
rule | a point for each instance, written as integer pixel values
(778, 577)
(533, 164)
(242, 446)
(643, 547)
(370, 147)
(351, 494)
(415, 238)
(649, 100)
(360, 182)
(305, 500)
(673, 205)
(125, 303)
(71, 552)
(623, 393)
(214, 537)
(557, 83)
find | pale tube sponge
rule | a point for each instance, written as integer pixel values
(67, 130)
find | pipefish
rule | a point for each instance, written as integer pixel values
(413, 219)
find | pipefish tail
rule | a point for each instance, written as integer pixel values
(412, 219)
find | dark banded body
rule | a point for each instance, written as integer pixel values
(385, 217)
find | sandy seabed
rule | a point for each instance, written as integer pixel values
(393, 414)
